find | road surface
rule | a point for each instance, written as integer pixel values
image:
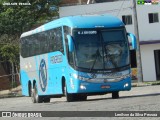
(138, 99)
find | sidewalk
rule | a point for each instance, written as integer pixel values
(15, 92)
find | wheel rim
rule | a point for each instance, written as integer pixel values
(65, 91)
(33, 96)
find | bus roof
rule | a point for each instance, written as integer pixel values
(83, 21)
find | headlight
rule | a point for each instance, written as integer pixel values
(82, 87)
(79, 77)
(126, 85)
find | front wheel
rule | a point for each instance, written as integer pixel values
(115, 95)
(69, 97)
(80, 97)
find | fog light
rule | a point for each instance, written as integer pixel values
(126, 85)
(82, 87)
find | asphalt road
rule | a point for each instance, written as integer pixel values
(138, 99)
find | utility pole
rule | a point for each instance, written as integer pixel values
(138, 53)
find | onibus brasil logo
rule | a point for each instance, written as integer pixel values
(43, 75)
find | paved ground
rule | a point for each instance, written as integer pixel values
(138, 99)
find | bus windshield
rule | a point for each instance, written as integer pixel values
(100, 49)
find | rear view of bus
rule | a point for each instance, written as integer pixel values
(95, 60)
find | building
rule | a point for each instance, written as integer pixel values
(148, 26)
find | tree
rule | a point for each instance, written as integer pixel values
(11, 53)
(16, 19)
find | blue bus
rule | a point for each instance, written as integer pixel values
(76, 56)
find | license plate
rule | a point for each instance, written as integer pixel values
(105, 86)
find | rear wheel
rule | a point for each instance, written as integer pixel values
(29, 89)
(115, 95)
(35, 97)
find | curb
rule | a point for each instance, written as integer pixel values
(15, 92)
(11, 94)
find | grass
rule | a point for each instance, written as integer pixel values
(145, 84)
(153, 83)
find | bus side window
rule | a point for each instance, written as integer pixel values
(51, 39)
(31, 46)
(59, 40)
(27, 47)
(43, 42)
(46, 44)
(23, 47)
(36, 45)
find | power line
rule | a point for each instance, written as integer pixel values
(120, 7)
(102, 12)
(108, 11)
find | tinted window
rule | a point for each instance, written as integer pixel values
(43, 42)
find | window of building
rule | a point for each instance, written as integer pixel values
(127, 19)
(153, 17)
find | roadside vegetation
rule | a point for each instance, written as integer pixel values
(16, 19)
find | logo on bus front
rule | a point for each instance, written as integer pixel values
(43, 75)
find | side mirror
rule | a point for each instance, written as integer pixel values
(70, 43)
(134, 41)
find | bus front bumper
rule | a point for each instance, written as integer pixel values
(105, 87)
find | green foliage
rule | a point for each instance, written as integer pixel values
(10, 53)
(16, 19)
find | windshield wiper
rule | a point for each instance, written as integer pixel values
(96, 56)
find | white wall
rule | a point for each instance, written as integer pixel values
(148, 61)
(101, 8)
(148, 31)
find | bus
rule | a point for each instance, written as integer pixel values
(76, 56)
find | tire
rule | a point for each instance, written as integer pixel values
(82, 97)
(35, 97)
(69, 97)
(79, 97)
(115, 95)
(29, 89)
(46, 100)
